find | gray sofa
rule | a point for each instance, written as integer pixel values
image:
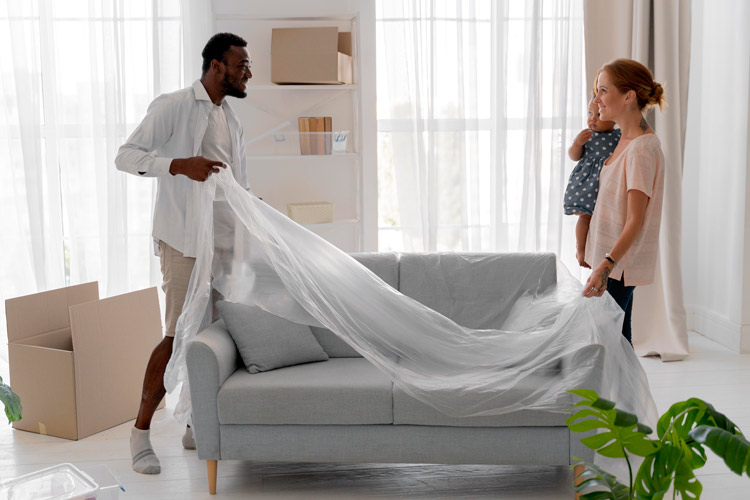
(345, 410)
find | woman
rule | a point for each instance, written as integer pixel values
(623, 239)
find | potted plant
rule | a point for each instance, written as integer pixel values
(11, 402)
(669, 460)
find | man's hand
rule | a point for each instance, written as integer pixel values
(197, 168)
(583, 137)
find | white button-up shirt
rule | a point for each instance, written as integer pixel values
(174, 127)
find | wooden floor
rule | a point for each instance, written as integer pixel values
(712, 373)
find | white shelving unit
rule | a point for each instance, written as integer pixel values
(277, 172)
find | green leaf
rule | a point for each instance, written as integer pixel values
(11, 401)
(587, 425)
(694, 453)
(599, 495)
(638, 444)
(710, 416)
(685, 482)
(590, 483)
(666, 419)
(696, 412)
(656, 472)
(643, 428)
(588, 394)
(598, 440)
(734, 449)
(613, 450)
(621, 425)
(624, 419)
(586, 413)
(598, 478)
(603, 404)
(576, 424)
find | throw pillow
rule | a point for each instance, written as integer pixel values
(267, 342)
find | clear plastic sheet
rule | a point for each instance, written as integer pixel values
(547, 338)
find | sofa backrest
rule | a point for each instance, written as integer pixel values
(385, 266)
(476, 290)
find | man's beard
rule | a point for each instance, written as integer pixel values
(232, 88)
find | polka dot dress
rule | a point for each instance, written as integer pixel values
(583, 185)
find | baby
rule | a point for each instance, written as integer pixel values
(592, 146)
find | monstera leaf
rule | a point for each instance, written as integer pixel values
(607, 485)
(658, 471)
(618, 430)
(733, 448)
(11, 401)
(684, 416)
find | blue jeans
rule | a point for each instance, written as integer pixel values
(623, 295)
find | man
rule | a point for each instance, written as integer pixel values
(185, 137)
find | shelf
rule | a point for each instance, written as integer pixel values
(342, 222)
(302, 87)
(270, 117)
(302, 157)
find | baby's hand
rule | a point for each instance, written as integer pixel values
(581, 258)
(583, 136)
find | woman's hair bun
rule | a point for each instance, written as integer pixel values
(656, 96)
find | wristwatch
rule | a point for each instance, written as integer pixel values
(609, 258)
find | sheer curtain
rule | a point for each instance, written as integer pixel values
(75, 78)
(477, 104)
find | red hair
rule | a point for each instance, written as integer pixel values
(627, 74)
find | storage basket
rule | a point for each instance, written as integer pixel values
(311, 212)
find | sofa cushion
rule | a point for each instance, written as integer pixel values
(410, 411)
(267, 342)
(474, 290)
(341, 391)
(385, 266)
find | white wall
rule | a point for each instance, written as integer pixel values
(716, 240)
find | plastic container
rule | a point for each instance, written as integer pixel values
(110, 485)
(60, 482)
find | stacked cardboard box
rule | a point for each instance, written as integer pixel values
(311, 56)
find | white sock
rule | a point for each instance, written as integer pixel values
(144, 458)
(188, 441)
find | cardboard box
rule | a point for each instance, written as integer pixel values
(77, 362)
(311, 55)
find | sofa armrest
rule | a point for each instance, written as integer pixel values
(211, 358)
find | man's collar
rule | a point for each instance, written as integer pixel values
(200, 91)
(202, 95)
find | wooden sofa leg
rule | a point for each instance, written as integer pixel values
(578, 469)
(211, 466)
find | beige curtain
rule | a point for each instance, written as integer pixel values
(656, 33)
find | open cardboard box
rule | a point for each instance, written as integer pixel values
(77, 362)
(311, 55)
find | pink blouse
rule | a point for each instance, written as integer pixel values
(639, 166)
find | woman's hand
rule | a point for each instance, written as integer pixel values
(596, 285)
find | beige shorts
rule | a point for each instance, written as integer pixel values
(175, 270)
